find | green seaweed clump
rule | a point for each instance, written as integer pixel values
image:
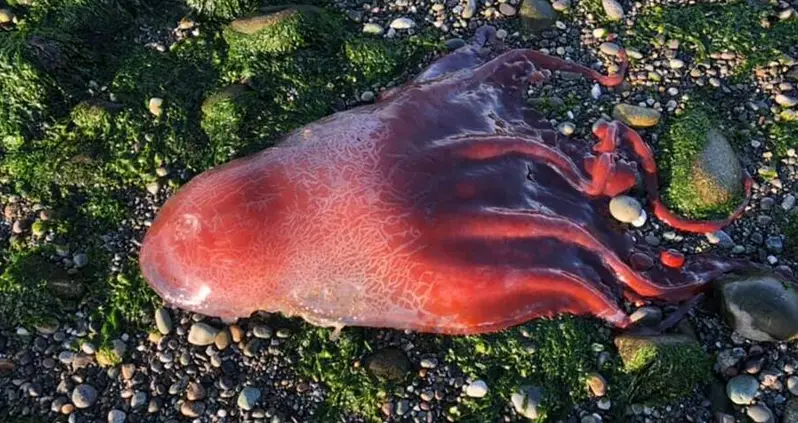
(28, 289)
(662, 368)
(223, 9)
(555, 355)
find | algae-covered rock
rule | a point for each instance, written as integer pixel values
(284, 30)
(223, 9)
(670, 365)
(705, 176)
(760, 307)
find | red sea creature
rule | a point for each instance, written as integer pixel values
(448, 206)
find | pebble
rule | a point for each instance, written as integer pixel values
(613, 9)
(610, 49)
(116, 416)
(477, 389)
(84, 396)
(248, 398)
(625, 208)
(222, 339)
(373, 29)
(742, 389)
(403, 23)
(138, 399)
(526, 401)
(561, 5)
(367, 96)
(785, 101)
(507, 9)
(195, 391)
(155, 106)
(567, 128)
(163, 321)
(80, 260)
(429, 363)
(760, 414)
(636, 116)
(192, 408)
(597, 384)
(676, 63)
(647, 316)
(262, 331)
(792, 385)
(721, 238)
(788, 202)
(202, 334)
(6, 16)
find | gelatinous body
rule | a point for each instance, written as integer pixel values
(448, 206)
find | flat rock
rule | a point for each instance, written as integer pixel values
(84, 396)
(536, 15)
(761, 307)
(636, 116)
(613, 9)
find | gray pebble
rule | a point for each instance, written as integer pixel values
(84, 396)
(163, 320)
(742, 389)
(760, 414)
(248, 398)
(116, 416)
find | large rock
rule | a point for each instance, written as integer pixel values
(536, 15)
(716, 172)
(760, 306)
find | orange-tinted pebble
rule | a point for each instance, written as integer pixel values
(672, 258)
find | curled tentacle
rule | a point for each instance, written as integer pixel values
(611, 133)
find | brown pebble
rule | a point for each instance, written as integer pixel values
(6, 365)
(222, 339)
(236, 333)
(127, 371)
(195, 391)
(597, 384)
(67, 409)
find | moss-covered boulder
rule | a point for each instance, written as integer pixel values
(759, 306)
(664, 367)
(704, 173)
(285, 30)
(223, 9)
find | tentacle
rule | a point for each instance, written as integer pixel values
(544, 61)
(610, 133)
(485, 148)
(531, 293)
(504, 223)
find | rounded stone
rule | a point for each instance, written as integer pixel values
(248, 398)
(536, 15)
(760, 414)
(610, 49)
(636, 116)
(403, 23)
(192, 408)
(742, 389)
(388, 363)
(163, 320)
(613, 9)
(477, 389)
(117, 416)
(372, 29)
(84, 396)
(527, 400)
(202, 334)
(625, 208)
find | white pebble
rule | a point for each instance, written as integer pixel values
(595, 92)
(625, 208)
(640, 221)
(613, 9)
(373, 29)
(477, 389)
(403, 23)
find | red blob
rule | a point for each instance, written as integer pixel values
(448, 206)
(672, 258)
